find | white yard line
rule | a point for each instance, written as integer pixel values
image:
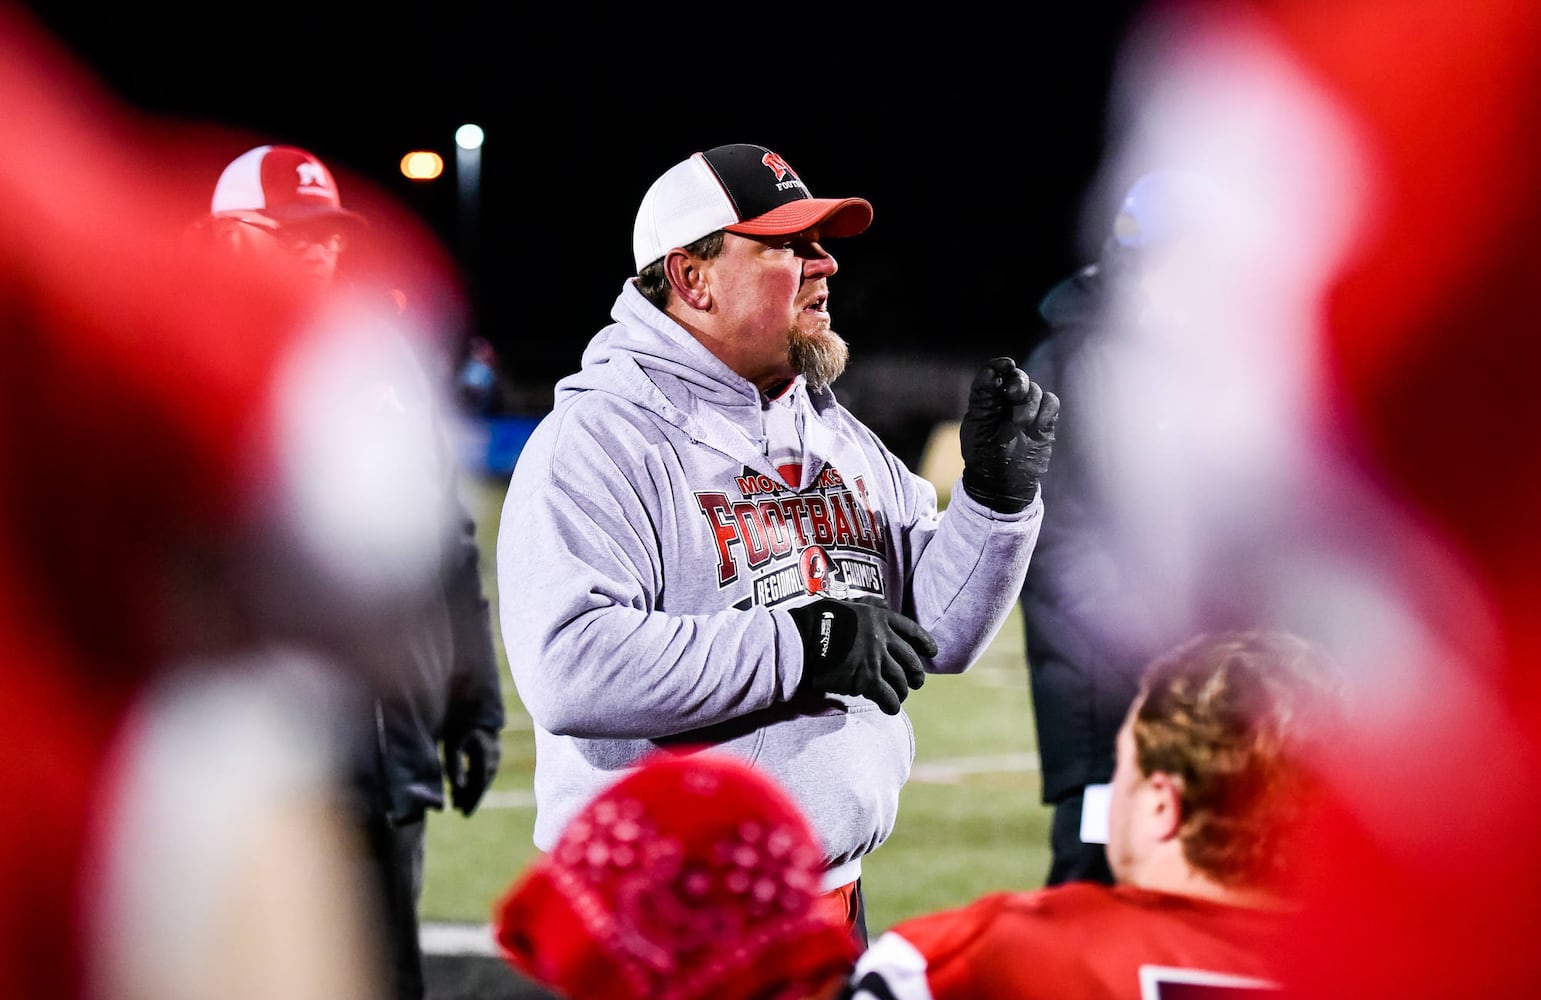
(458, 939)
(951, 770)
(513, 798)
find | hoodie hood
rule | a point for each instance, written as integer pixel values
(643, 342)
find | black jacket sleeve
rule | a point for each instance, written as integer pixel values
(476, 698)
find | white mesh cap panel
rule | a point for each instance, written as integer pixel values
(240, 186)
(682, 206)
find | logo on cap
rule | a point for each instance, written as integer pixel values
(778, 165)
(313, 179)
(781, 168)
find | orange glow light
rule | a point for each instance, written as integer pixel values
(422, 165)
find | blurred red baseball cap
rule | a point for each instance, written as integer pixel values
(695, 877)
(285, 184)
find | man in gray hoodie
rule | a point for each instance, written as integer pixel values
(674, 527)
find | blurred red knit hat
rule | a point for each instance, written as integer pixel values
(696, 876)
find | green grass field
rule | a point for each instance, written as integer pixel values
(969, 820)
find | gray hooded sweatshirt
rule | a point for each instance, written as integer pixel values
(647, 554)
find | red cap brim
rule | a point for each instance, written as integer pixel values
(834, 217)
(315, 215)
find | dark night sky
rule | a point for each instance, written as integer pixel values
(975, 141)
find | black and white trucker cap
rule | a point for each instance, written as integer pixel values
(742, 188)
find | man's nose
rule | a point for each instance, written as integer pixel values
(818, 262)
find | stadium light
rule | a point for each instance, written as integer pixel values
(468, 168)
(469, 136)
(422, 165)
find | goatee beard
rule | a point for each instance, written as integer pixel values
(819, 356)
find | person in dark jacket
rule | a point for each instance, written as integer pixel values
(431, 708)
(1089, 620)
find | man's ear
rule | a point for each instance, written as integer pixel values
(688, 279)
(1166, 809)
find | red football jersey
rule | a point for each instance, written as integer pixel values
(1076, 940)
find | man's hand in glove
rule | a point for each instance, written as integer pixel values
(470, 762)
(861, 648)
(1007, 435)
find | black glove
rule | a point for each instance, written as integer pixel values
(1007, 435)
(862, 648)
(470, 763)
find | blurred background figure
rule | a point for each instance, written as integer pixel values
(480, 386)
(280, 199)
(434, 709)
(1093, 609)
(694, 877)
(1359, 335)
(200, 542)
